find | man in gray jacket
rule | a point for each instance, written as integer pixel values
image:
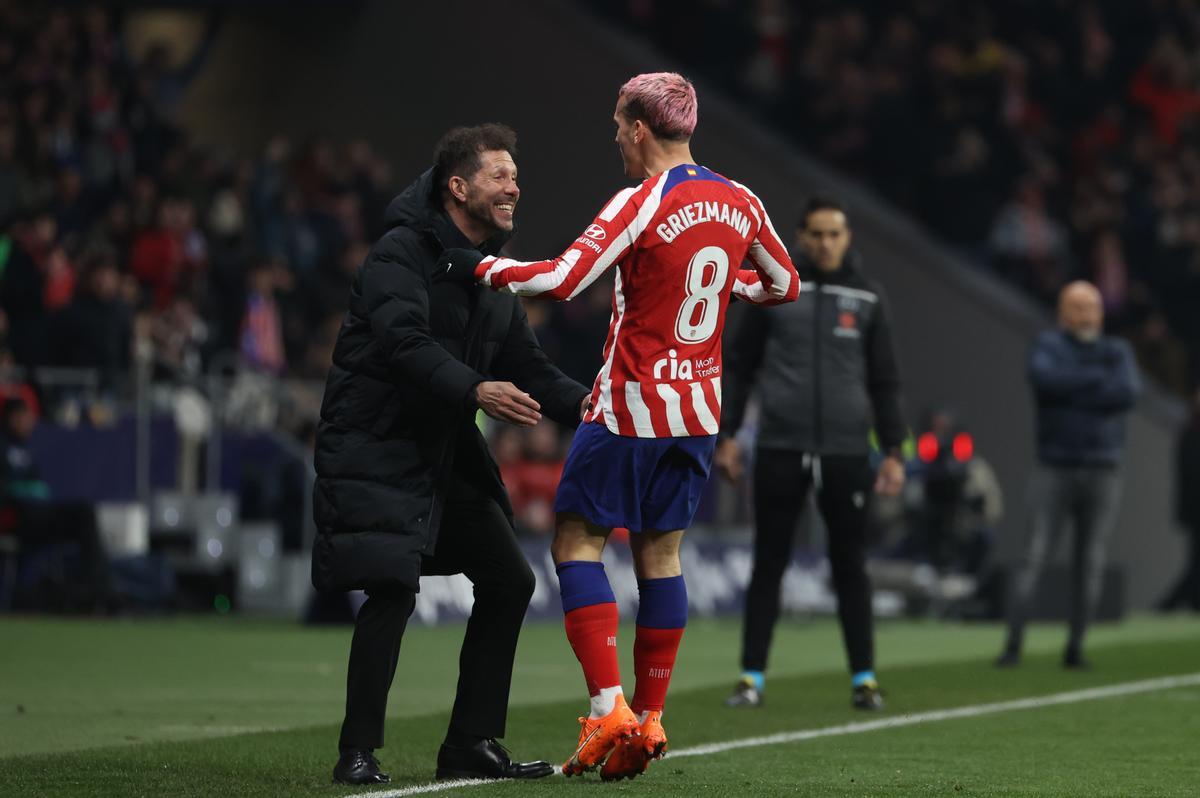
(1084, 384)
(826, 373)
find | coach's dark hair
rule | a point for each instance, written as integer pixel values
(819, 203)
(458, 151)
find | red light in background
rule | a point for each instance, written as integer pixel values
(927, 447)
(963, 447)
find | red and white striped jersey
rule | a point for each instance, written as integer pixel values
(678, 240)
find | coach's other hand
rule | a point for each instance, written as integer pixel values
(728, 460)
(890, 480)
(458, 265)
(504, 401)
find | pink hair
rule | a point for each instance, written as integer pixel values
(666, 101)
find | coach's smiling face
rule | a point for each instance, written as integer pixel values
(490, 196)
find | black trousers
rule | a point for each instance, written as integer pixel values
(1084, 499)
(782, 481)
(43, 523)
(476, 540)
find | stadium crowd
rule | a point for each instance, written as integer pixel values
(116, 225)
(1031, 136)
(1036, 141)
(120, 233)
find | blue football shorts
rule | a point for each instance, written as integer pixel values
(637, 483)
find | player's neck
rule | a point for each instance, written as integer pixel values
(662, 158)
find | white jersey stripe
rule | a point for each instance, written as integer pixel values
(638, 410)
(615, 205)
(621, 243)
(716, 384)
(757, 201)
(751, 292)
(704, 415)
(541, 283)
(605, 376)
(674, 414)
(781, 278)
(626, 238)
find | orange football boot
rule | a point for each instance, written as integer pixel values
(631, 758)
(598, 736)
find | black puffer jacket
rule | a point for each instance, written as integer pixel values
(398, 418)
(824, 366)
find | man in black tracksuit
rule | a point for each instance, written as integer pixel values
(405, 483)
(825, 370)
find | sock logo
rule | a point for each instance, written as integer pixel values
(612, 641)
(659, 673)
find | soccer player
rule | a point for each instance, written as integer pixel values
(643, 454)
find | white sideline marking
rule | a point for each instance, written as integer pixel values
(933, 716)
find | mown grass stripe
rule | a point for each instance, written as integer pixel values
(932, 716)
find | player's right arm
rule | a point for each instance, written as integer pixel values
(773, 279)
(605, 241)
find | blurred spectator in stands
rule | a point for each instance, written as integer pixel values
(179, 336)
(13, 384)
(261, 340)
(531, 465)
(158, 257)
(22, 290)
(1164, 86)
(59, 278)
(95, 330)
(1027, 244)
(939, 106)
(27, 510)
(70, 207)
(1084, 383)
(11, 177)
(1186, 592)
(770, 62)
(168, 81)
(1111, 276)
(1160, 354)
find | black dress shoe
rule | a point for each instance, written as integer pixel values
(358, 766)
(486, 759)
(1073, 660)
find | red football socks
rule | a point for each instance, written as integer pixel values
(592, 632)
(654, 652)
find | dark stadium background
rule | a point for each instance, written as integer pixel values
(282, 129)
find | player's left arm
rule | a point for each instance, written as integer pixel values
(605, 241)
(772, 280)
(523, 362)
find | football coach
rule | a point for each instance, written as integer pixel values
(405, 482)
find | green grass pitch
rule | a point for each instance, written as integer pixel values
(229, 707)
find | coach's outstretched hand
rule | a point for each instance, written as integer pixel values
(504, 401)
(458, 265)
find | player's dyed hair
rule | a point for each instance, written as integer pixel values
(665, 101)
(458, 151)
(819, 203)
